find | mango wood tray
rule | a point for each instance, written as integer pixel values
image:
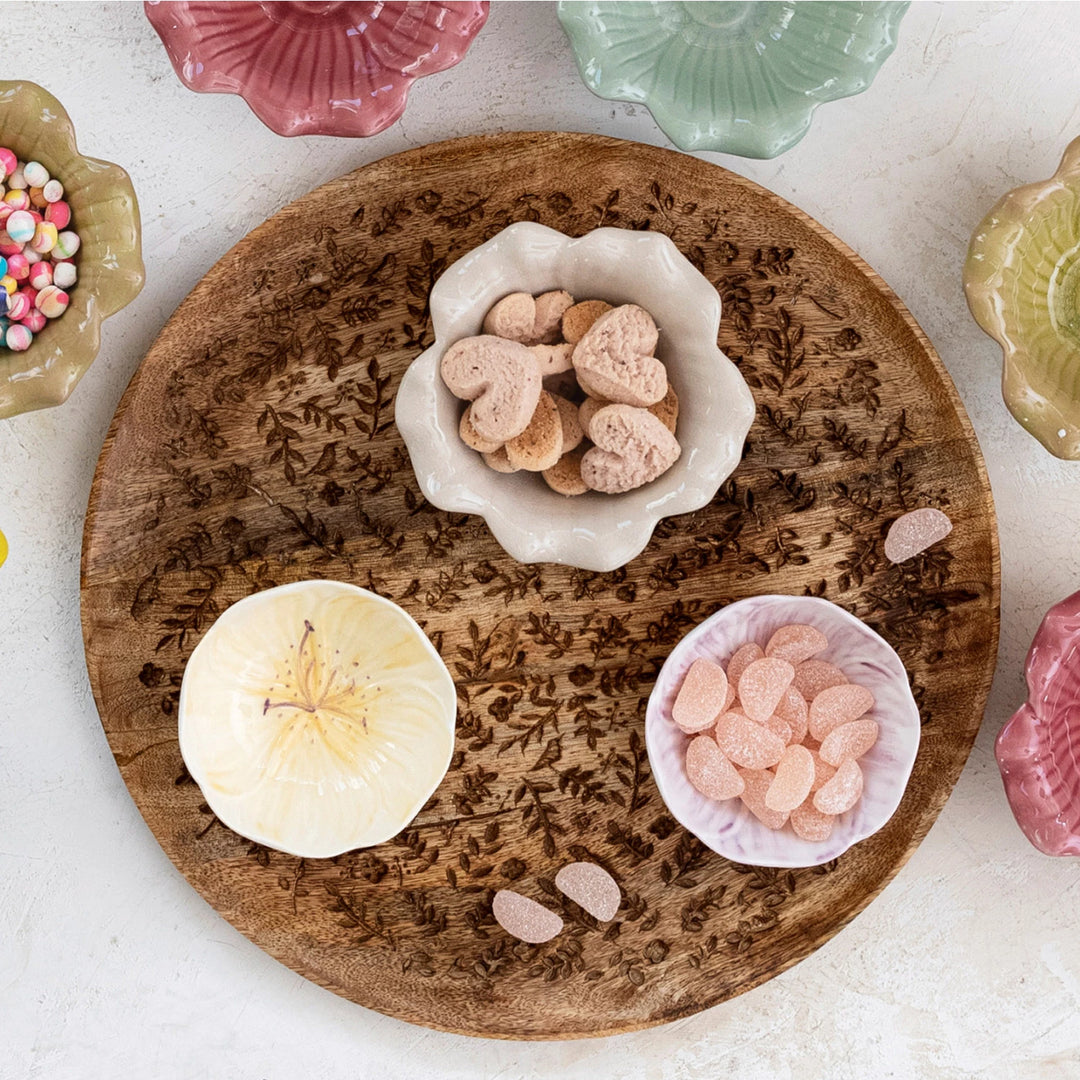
(256, 446)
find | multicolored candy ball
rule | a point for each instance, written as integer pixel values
(18, 337)
(8, 162)
(64, 274)
(36, 174)
(34, 321)
(67, 243)
(52, 302)
(41, 274)
(20, 226)
(59, 213)
(53, 191)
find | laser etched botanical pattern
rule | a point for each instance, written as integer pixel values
(256, 447)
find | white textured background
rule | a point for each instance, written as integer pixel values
(111, 966)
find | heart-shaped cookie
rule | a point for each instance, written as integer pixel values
(527, 319)
(632, 448)
(500, 378)
(614, 359)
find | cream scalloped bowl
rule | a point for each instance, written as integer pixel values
(864, 656)
(316, 718)
(531, 522)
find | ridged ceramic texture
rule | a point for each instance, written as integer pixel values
(864, 657)
(315, 68)
(105, 213)
(316, 718)
(744, 78)
(1038, 750)
(622, 266)
(1022, 279)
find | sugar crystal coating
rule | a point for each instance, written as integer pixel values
(747, 743)
(823, 771)
(525, 919)
(809, 823)
(796, 642)
(758, 782)
(590, 886)
(912, 533)
(793, 710)
(710, 772)
(701, 697)
(741, 659)
(762, 685)
(778, 727)
(791, 783)
(842, 792)
(848, 741)
(813, 676)
(838, 705)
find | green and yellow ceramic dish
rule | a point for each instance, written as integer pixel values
(105, 214)
(1022, 279)
(744, 78)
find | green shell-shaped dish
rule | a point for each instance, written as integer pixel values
(744, 78)
(1022, 280)
(105, 214)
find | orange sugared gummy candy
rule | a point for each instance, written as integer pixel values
(796, 643)
(823, 771)
(809, 823)
(758, 782)
(710, 772)
(762, 685)
(793, 710)
(793, 776)
(813, 676)
(848, 741)
(701, 697)
(838, 705)
(750, 745)
(741, 659)
(842, 792)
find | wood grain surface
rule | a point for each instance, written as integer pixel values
(256, 446)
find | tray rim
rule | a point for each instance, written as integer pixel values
(480, 145)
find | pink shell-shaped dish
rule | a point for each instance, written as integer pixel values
(315, 68)
(1038, 750)
(864, 656)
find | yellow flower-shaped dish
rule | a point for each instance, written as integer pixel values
(1022, 279)
(105, 213)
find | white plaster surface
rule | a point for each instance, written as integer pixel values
(111, 966)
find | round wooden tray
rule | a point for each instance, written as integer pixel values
(256, 446)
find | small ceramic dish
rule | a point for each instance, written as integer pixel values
(744, 78)
(1038, 750)
(105, 213)
(865, 657)
(316, 718)
(1022, 280)
(320, 68)
(532, 522)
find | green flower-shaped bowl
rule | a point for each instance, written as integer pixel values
(1022, 280)
(105, 214)
(744, 78)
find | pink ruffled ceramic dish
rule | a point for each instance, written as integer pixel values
(315, 68)
(863, 655)
(1038, 750)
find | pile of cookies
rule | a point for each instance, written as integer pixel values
(569, 390)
